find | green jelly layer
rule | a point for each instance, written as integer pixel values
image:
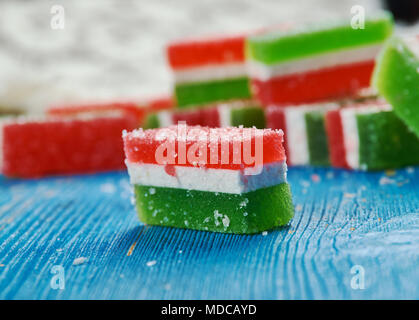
(385, 142)
(275, 47)
(250, 212)
(317, 142)
(201, 93)
(151, 121)
(248, 117)
(396, 78)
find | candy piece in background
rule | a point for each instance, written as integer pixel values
(63, 145)
(237, 113)
(208, 117)
(370, 137)
(315, 63)
(396, 78)
(306, 142)
(138, 109)
(208, 70)
(204, 186)
(98, 109)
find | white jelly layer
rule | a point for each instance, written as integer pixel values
(260, 71)
(210, 72)
(165, 118)
(211, 180)
(224, 113)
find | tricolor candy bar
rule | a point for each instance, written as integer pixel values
(38, 147)
(370, 137)
(306, 141)
(209, 70)
(239, 113)
(397, 78)
(208, 181)
(315, 63)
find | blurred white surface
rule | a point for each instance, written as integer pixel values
(113, 49)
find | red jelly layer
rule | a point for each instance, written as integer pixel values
(324, 84)
(208, 117)
(275, 119)
(336, 142)
(34, 149)
(197, 53)
(138, 110)
(160, 103)
(141, 145)
(74, 110)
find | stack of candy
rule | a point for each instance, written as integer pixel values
(313, 83)
(226, 179)
(209, 70)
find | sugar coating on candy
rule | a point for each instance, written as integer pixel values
(141, 145)
(397, 78)
(37, 147)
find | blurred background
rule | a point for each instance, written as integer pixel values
(114, 50)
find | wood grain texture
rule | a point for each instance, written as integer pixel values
(342, 219)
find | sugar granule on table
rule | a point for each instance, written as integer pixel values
(79, 261)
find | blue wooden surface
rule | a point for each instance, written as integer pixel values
(342, 219)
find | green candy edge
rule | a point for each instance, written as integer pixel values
(201, 93)
(266, 208)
